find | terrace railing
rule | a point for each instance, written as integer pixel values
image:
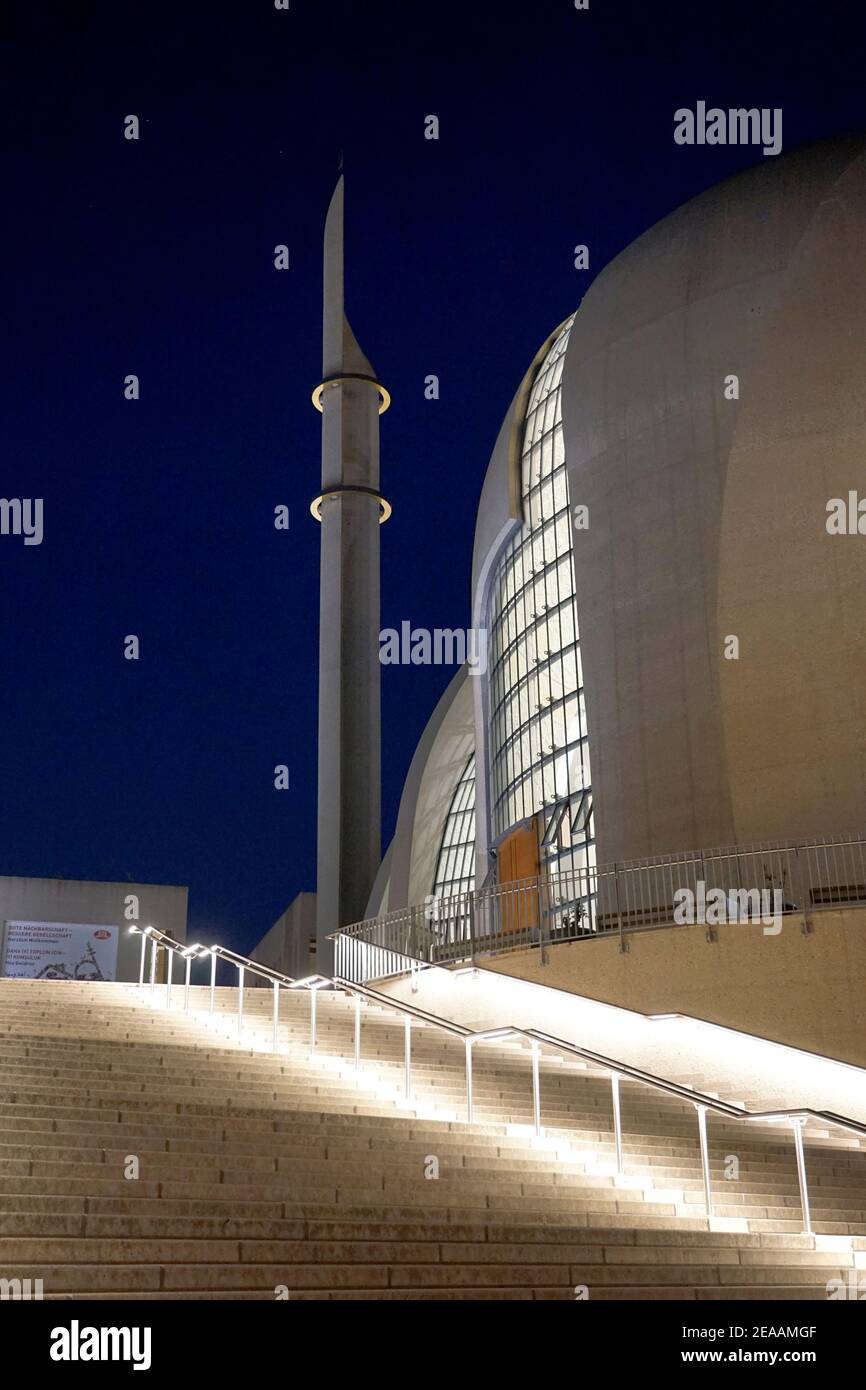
(759, 884)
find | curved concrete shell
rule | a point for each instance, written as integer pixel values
(708, 513)
(408, 870)
(707, 522)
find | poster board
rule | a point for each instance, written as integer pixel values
(59, 951)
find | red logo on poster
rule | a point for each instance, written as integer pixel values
(102, 935)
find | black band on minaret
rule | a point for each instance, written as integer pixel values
(384, 394)
(316, 504)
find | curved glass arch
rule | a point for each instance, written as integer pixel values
(539, 746)
(455, 864)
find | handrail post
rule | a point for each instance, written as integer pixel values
(622, 946)
(705, 1158)
(169, 981)
(469, 1081)
(186, 985)
(544, 954)
(357, 1032)
(141, 961)
(213, 966)
(240, 999)
(413, 937)
(407, 1053)
(711, 933)
(798, 1126)
(276, 988)
(472, 906)
(536, 1090)
(803, 891)
(617, 1121)
(313, 993)
(153, 950)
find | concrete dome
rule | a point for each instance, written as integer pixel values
(708, 514)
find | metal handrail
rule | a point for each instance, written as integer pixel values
(798, 1117)
(445, 1025)
(242, 964)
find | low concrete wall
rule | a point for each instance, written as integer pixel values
(97, 904)
(290, 944)
(808, 990)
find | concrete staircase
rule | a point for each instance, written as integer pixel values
(263, 1175)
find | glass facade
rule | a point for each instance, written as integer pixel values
(539, 751)
(455, 867)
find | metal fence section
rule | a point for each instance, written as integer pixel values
(359, 959)
(757, 884)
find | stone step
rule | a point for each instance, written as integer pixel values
(263, 1169)
(30, 1252)
(78, 1225)
(474, 1295)
(267, 1277)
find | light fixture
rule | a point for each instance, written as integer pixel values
(310, 982)
(384, 395)
(385, 508)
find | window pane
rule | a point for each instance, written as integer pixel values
(538, 749)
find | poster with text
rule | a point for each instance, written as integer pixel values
(60, 951)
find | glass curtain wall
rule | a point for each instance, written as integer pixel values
(539, 745)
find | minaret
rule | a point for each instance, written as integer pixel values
(350, 509)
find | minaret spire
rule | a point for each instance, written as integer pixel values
(340, 350)
(350, 508)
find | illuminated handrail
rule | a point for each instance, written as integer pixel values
(623, 1069)
(242, 964)
(798, 1117)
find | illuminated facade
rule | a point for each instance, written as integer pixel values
(524, 719)
(455, 865)
(611, 723)
(539, 750)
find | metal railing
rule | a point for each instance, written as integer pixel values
(798, 1118)
(757, 884)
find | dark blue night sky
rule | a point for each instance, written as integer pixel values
(156, 258)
